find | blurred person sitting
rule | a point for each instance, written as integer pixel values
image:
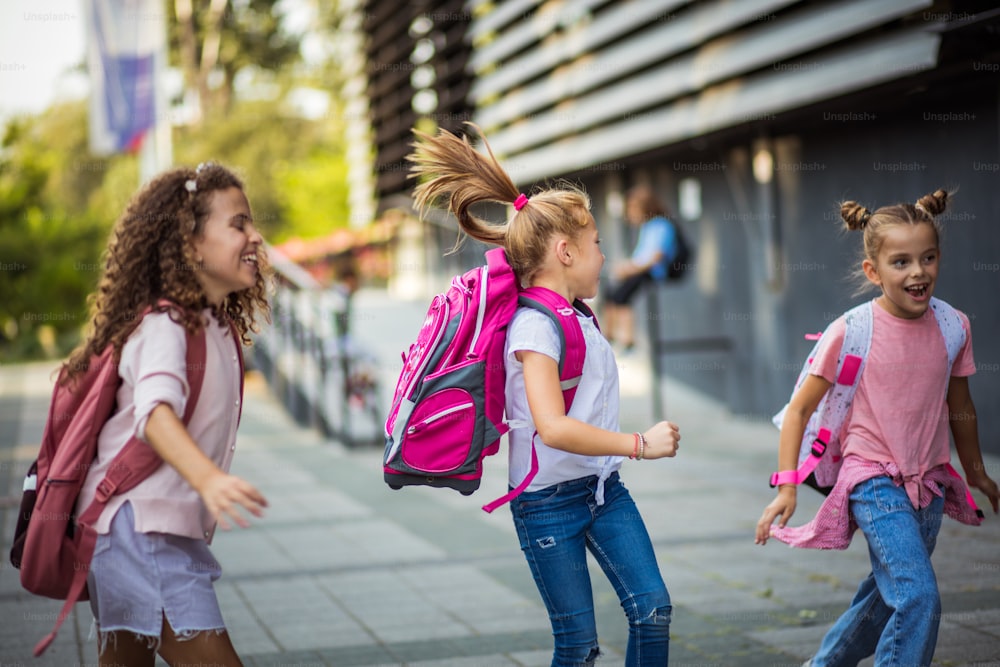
(656, 248)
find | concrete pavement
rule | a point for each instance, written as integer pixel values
(343, 571)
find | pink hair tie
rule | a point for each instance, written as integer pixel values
(520, 202)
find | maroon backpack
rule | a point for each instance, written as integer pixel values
(52, 547)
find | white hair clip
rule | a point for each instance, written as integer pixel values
(191, 185)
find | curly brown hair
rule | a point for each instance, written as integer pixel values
(151, 258)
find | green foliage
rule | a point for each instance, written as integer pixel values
(58, 203)
(315, 196)
(51, 239)
(294, 169)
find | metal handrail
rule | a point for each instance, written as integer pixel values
(321, 376)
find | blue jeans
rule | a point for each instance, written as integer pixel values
(556, 527)
(897, 609)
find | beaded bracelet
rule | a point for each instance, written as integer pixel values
(639, 449)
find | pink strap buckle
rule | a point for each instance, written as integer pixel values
(798, 476)
(785, 477)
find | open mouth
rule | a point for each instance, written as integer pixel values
(250, 259)
(917, 291)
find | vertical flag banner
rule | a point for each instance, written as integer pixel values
(123, 39)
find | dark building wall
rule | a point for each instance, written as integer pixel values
(392, 50)
(892, 149)
(875, 100)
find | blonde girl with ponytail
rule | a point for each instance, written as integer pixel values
(576, 502)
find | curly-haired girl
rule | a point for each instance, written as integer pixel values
(894, 483)
(184, 257)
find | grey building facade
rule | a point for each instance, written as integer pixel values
(753, 119)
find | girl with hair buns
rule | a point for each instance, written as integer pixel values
(186, 253)
(576, 502)
(894, 483)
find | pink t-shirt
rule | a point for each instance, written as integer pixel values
(899, 413)
(153, 371)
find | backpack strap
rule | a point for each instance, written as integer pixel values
(954, 334)
(952, 329)
(828, 418)
(134, 463)
(572, 353)
(572, 346)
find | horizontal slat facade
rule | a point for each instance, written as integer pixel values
(638, 75)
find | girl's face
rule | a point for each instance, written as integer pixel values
(906, 269)
(227, 247)
(588, 261)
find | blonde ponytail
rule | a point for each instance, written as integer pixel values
(455, 176)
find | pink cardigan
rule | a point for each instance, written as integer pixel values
(153, 371)
(833, 525)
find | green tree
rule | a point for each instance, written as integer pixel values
(294, 168)
(51, 237)
(218, 38)
(58, 202)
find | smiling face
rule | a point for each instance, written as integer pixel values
(906, 269)
(227, 246)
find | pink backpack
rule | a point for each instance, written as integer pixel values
(52, 546)
(448, 407)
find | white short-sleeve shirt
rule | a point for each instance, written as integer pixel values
(596, 401)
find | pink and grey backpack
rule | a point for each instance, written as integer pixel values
(447, 411)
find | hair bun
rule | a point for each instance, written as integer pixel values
(935, 203)
(855, 215)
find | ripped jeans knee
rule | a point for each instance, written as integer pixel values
(652, 608)
(657, 616)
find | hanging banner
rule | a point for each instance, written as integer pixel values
(124, 39)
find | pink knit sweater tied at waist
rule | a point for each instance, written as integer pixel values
(833, 526)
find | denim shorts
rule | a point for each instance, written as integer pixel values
(138, 578)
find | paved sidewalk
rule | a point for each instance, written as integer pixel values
(343, 571)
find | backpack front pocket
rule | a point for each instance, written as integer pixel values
(439, 434)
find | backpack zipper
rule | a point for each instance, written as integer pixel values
(439, 415)
(418, 372)
(481, 315)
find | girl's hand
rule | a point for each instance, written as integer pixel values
(223, 493)
(783, 505)
(989, 487)
(662, 440)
